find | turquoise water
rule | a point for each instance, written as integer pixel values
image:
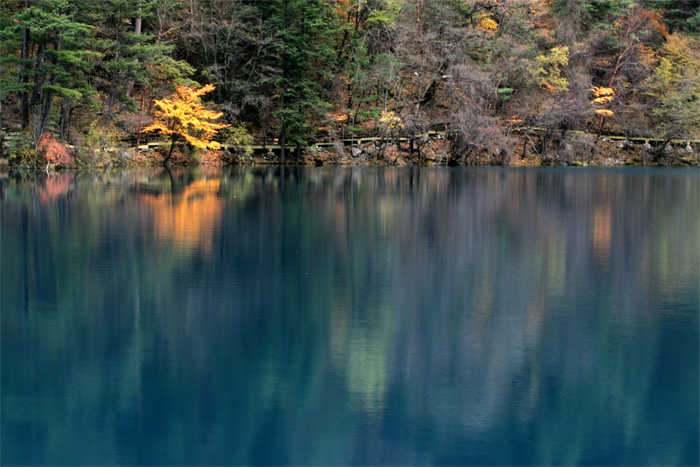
(269, 316)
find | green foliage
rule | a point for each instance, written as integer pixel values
(387, 13)
(601, 9)
(675, 83)
(239, 138)
(299, 70)
(302, 31)
(21, 153)
(505, 93)
(548, 69)
(679, 15)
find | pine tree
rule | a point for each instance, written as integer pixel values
(303, 31)
(59, 65)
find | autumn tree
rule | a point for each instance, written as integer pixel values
(675, 82)
(183, 116)
(548, 69)
(625, 56)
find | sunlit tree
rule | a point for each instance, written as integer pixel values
(602, 98)
(183, 116)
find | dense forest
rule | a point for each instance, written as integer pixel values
(80, 76)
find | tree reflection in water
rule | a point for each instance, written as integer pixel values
(350, 315)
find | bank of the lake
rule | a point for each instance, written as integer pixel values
(436, 149)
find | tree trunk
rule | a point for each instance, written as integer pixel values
(137, 32)
(24, 97)
(38, 77)
(143, 101)
(64, 120)
(170, 153)
(46, 100)
(283, 143)
(43, 117)
(113, 87)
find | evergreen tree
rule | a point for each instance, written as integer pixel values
(302, 30)
(59, 63)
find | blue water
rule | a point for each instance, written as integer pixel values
(273, 316)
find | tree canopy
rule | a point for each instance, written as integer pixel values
(306, 70)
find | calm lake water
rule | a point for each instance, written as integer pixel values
(350, 316)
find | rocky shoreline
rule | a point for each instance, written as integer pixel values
(521, 151)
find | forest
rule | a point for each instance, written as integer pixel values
(459, 82)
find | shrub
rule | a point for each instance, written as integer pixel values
(54, 153)
(21, 152)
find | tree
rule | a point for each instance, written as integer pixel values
(680, 15)
(302, 30)
(602, 97)
(549, 67)
(676, 84)
(124, 49)
(55, 54)
(183, 116)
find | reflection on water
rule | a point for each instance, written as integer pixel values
(350, 316)
(189, 217)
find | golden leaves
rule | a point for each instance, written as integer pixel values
(486, 23)
(602, 96)
(599, 91)
(183, 115)
(390, 120)
(549, 67)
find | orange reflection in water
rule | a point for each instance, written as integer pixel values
(602, 233)
(188, 218)
(55, 185)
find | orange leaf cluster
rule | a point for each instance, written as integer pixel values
(338, 117)
(603, 96)
(53, 151)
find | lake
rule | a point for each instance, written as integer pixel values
(346, 316)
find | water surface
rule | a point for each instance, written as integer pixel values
(350, 316)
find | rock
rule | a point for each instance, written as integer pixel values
(646, 146)
(688, 148)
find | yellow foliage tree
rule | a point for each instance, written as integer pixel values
(549, 67)
(486, 23)
(182, 116)
(603, 96)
